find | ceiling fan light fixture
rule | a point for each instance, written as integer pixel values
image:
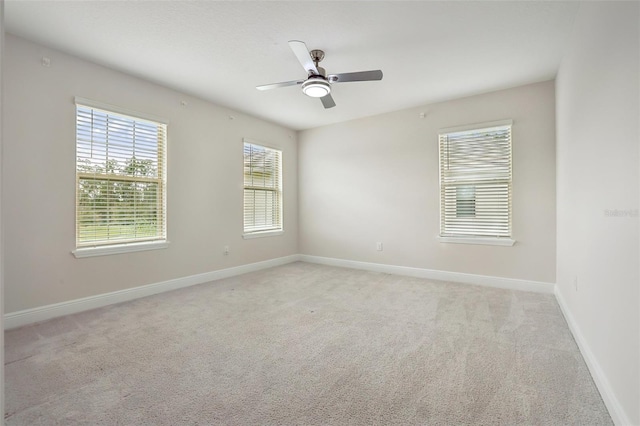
(316, 87)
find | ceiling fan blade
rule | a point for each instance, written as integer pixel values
(304, 57)
(356, 76)
(328, 101)
(277, 85)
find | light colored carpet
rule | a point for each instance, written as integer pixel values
(305, 344)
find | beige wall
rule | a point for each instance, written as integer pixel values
(204, 181)
(597, 150)
(376, 179)
(1, 203)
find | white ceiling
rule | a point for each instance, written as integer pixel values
(220, 50)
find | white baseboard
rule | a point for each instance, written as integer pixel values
(484, 280)
(30, 316)
(616, 411)
(43, 313)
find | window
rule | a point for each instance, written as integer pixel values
(475, 183)
(120, 178)
(262, 190)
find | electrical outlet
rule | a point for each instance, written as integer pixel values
(575, 282)
(379, 246)
(225, 250)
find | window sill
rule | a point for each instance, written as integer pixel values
(119, 248)
(262, 234)
(486, 241)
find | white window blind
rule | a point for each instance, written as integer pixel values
(475, 181)
(262, 188)
(120, 178)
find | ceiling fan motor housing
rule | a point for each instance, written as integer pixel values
(322, 72)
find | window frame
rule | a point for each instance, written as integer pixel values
(471, 237)
(267, 232)
(104, 247)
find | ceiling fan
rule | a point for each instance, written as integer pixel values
(318, 83)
